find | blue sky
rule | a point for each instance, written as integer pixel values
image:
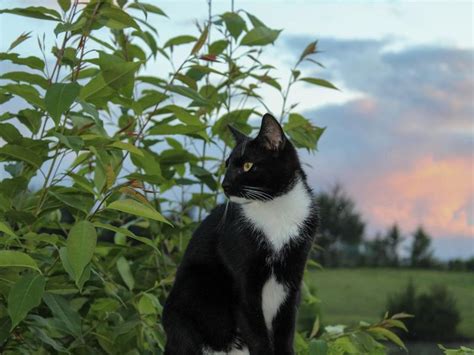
(400, 134)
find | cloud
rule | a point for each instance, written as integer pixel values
(438, 194)
(404, 147)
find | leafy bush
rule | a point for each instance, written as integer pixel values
(436, 313)
(463, 350)
(127, 163)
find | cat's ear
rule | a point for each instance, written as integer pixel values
(238, 136)
(271, 134)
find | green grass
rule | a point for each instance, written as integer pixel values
(350, 295)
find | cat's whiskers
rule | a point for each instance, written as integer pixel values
(259, 193)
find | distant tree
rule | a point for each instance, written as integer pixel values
(341, 231)
(383, 250)
(375, 251)
(461, 265)
(393, 240)
(421, 254)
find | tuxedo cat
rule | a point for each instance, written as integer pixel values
(237, 288)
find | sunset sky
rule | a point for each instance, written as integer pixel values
(400, 134)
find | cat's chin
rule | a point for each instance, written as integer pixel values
(240, 200)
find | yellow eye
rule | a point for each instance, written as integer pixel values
(247, 166)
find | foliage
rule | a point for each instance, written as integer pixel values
(421, 254)
(341, 231)
(361, 339)
(383, 251)
(437, 315)
(461, 265)
(463, 350)
(88, 257)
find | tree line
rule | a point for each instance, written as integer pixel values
(343, 241)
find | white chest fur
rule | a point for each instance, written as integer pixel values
(280, 218)
(273, 295)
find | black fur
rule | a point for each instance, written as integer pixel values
(216, 300)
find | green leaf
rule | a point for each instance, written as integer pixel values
(238, 119)
(96, 88)
(218, 47)
(255, 21)
(73, 142)
(200, 42)
(26, 92)
(128, 147)
(260, 36)
(18, 152)
(182, 114)
(148, 304)
(59, 98)
(319, 82)
(176, 41)
(205, 176)
(123, 268)
(147, 8)
(397, 323)
(234, 23)
(38, 12)
(82, 182)
(77, 200)
(32, 62)
(62, 310)
(402, 315)
(126, 233)
(67, 266)
(26, 77)
(164, 129)
(12, 258)
(116, 72)
(7, 230)
(80, 245)
(138, 209)
(64, 4)
(25, 294)
(310, 49)
(118, 19)
(21, 38)
(268, 80)
(302, 132)
(388, 335)
(31, 119)
(318, 347)
(5, 324)
(189, 93)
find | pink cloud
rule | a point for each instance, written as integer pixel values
(438, 194)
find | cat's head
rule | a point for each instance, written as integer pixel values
(261, 168)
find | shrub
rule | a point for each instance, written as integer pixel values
(436, 313)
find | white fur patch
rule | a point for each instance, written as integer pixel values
(233, 351)
(280, 218)
(273, 295)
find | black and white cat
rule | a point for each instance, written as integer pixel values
(237, 288)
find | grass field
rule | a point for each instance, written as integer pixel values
(351, 295)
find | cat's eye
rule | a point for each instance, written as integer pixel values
(247, 166)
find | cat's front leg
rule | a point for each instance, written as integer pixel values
(284, 325)
(251, 321)
(254, 332)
